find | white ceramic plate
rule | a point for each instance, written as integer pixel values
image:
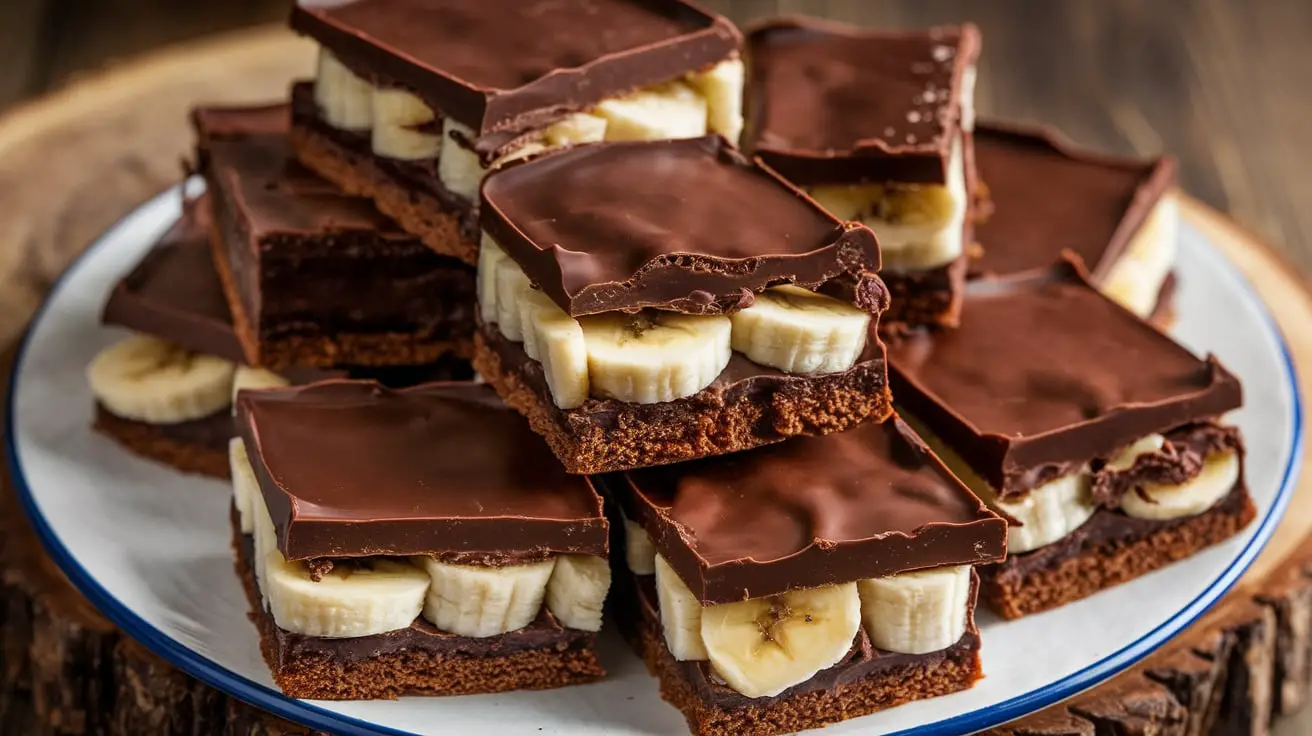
(150, 547)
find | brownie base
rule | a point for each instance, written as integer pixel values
(418, 212)
(1109, 549)
(390, 672)
(198, 447)
(930, 298)
(605, 436)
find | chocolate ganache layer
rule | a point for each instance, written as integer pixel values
(688, 225)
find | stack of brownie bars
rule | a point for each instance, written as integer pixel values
(782, 360)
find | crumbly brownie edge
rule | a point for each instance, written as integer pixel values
(925, 298)
(1111, 562)
(390, 676)
(418, 213)
(152, 443)
(804, 710)
(584, 447)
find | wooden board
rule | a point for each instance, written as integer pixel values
(72, 163)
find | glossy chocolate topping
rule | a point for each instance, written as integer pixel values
(688, 225)
(1047, 195)
(513, 64)
(810, 511)
(174, 293)
(828, 103)
(349, 469)
(1045, 373)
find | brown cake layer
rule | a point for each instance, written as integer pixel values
(930, 297)
(747, 406)
(1109, 549)
(199, 447)
(419, 660)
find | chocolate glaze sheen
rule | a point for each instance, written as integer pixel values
(810, 511)
(828, 103)
(1047, 195)
(688, 225)
(349, 469)
(175, 294)
(511, 64)
(1045, 373)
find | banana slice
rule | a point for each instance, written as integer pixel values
(764, 646)
(916, 612)
(798, 331)
(148, 380)
(459, 168)
(360, 598)
(671, 110)
(264, 535)
(485, 601)
(1048, 512)
(1161, 503)
(639, 552)
(651, 357)
(577, 589)
(489, 256)
(243, 483)
(398, 116)
(344, 100)
(512, 285)
(968, 77)
(248, 378)
(1124, 460)
(530, 302)
(581, 127)
(681, 614)
(561, 348)
(1135, 281)
(722, 86)
(848, 201)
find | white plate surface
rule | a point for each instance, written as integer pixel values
(150, 547)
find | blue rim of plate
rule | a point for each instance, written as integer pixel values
(314, 716)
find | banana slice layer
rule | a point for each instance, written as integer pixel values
(149, 380)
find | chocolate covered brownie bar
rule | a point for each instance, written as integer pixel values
(876, 126)
(1044, 195)
(420, 541)
(415, 100)
(314, 276)
(165, 393)
(1100, 439)
(805, 583)
(652, 302)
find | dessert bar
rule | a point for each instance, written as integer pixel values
(165, 393)
(415, 100)
(313, 276)
(1043, 195)
(805, 583)
(1101, 440)
(876, 126)
(651, 302)
(420, 541)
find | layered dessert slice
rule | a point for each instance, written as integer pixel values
(314, 276)
(652, 302)
(1043, 195)
(806, 583)
(165, 392)
(876, 126)
(415, 100)
(1100, 439)
(421, 541)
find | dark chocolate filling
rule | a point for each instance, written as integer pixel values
(422, 636)
(1180, 460)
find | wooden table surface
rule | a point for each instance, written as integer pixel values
(1219, 83)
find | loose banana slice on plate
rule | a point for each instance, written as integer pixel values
(916, 612)
(671, 110)
(357, 598)
(485, 601)
(1193, 497)
(149, 380)
(344, 100)
(764, 646)
(398, 117)
(458, 168)
(650, 357)
(577, 589)
(798, 331)
(722, 86)
(681, 614)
